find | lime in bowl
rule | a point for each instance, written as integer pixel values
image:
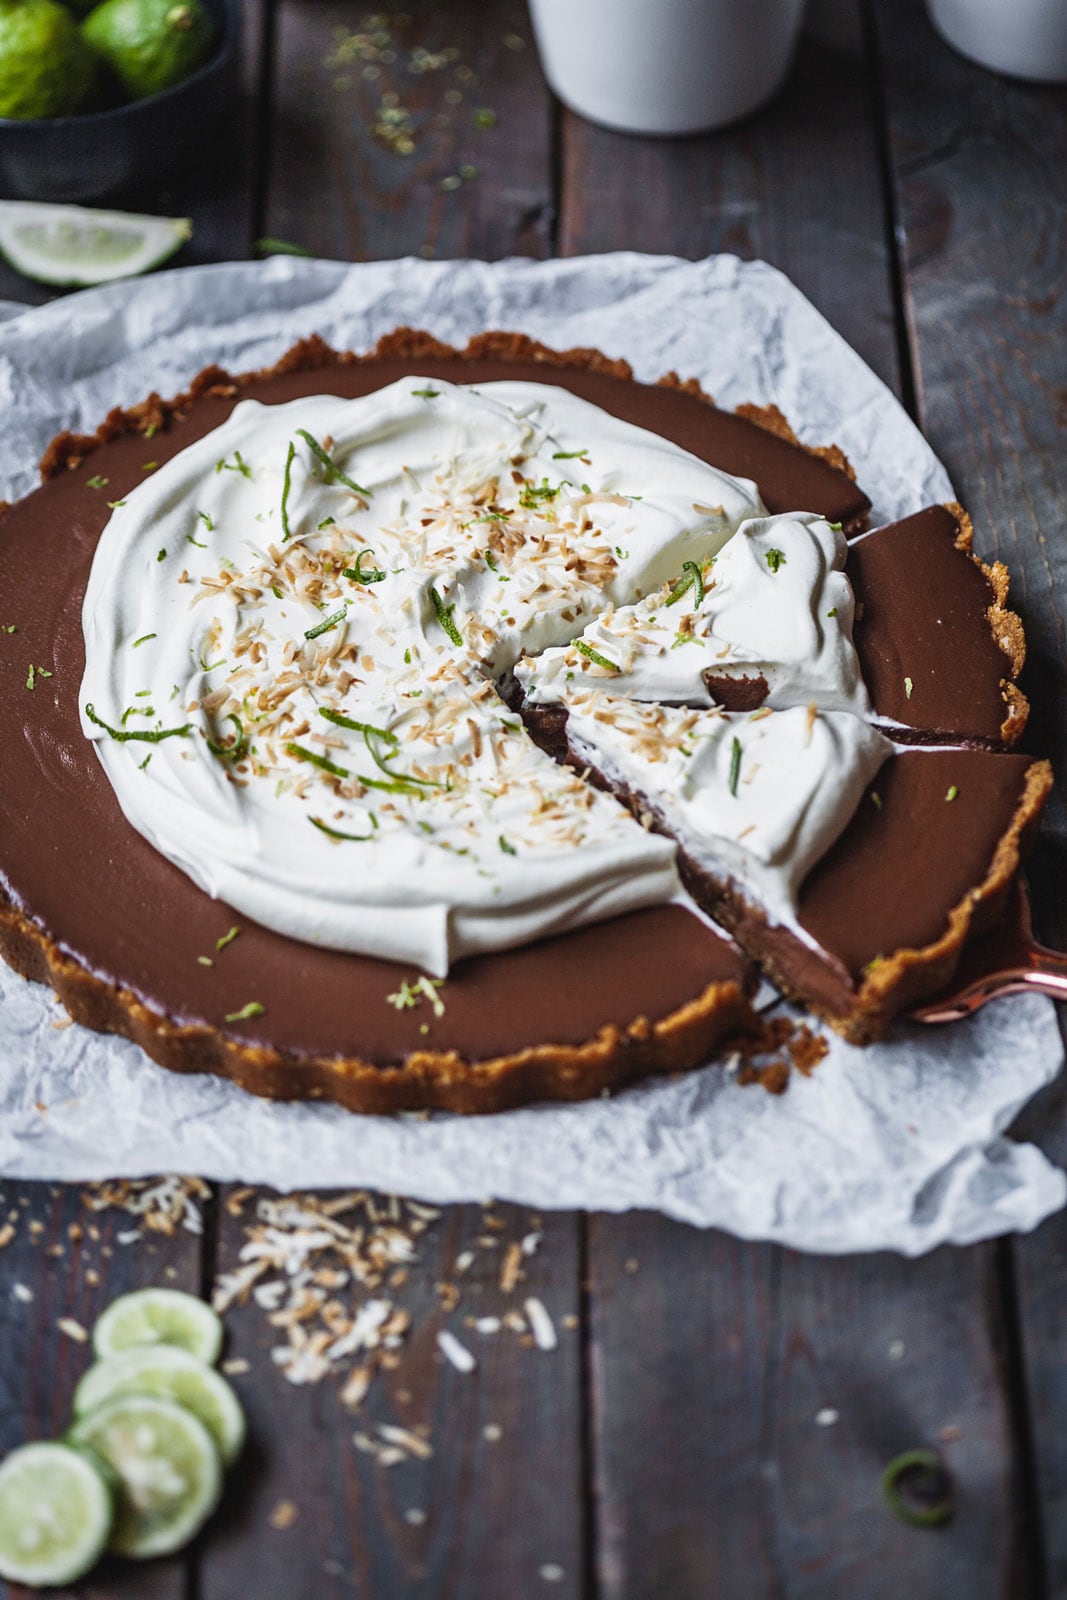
(125, 149)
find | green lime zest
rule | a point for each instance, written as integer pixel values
(426, 394)
(952, 792)
(594, 656)
(286, 486)
(775, 559)
(227, 938)
(316, 449)
(918, 1489)
(446, 617)
(143, 639)
(735, 765)
(336, 833)
(339, 720)
(279, 247)
(238, 749)
(357, 574)
(125, 735)
(327, 623)
(569, 455)
(691, 575)
(252, 1009)
(302, 753)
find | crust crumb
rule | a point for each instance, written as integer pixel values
(791, 1047)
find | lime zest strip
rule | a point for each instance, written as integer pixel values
(446, 616)
(316, 449)
(125, 735)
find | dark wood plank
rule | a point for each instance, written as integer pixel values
(758, 1498)
(427, 133)
(773, 1389)
(980, 167)
(65, 1262)
(797, 185)
(312, 1514)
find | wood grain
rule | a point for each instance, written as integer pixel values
(798, 185)
(980, 177)
(72, 1262)
(376, 154)
(762, 1500)
(499, 1498)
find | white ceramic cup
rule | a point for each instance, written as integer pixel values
(666, 66)
(1023, 38)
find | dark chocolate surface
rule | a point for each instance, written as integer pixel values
(906, 859)
(925, 645)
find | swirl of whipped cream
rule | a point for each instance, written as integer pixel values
(292, 634)
(773, 605)
(753, 799)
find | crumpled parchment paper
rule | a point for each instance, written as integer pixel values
(898, 1146)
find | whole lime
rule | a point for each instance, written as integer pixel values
(150, 45)
(46, 68)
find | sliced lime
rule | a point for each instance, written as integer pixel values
(56, 1513)
(73, 247)
(167, 1370)
(170, 1475)
(159, 1316)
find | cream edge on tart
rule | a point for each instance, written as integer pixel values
(306, 634)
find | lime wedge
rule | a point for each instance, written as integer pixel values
(167, 1370)
(73, 247)
(159, 1316)
(55, 1514)
(169, 1472)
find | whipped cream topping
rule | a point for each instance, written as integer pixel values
(292, 634)
(756, 799)
(774, 605)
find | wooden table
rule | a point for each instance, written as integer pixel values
(716, 1416)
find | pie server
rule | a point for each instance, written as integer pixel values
(1007, 960)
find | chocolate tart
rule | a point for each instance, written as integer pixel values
(89, 907)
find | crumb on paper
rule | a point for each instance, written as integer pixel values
(774, 1051)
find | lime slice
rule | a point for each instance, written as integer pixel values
(165, 1369)
(169, 1472)
(159, 1316)
(73, 247)
(55, 1514)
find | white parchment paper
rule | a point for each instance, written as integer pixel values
(899, 1146)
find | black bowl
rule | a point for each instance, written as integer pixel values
(100, 153)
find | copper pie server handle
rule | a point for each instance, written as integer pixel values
(1008, 960)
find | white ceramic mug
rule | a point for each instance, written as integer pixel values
(1024, 38)
(665, 66)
